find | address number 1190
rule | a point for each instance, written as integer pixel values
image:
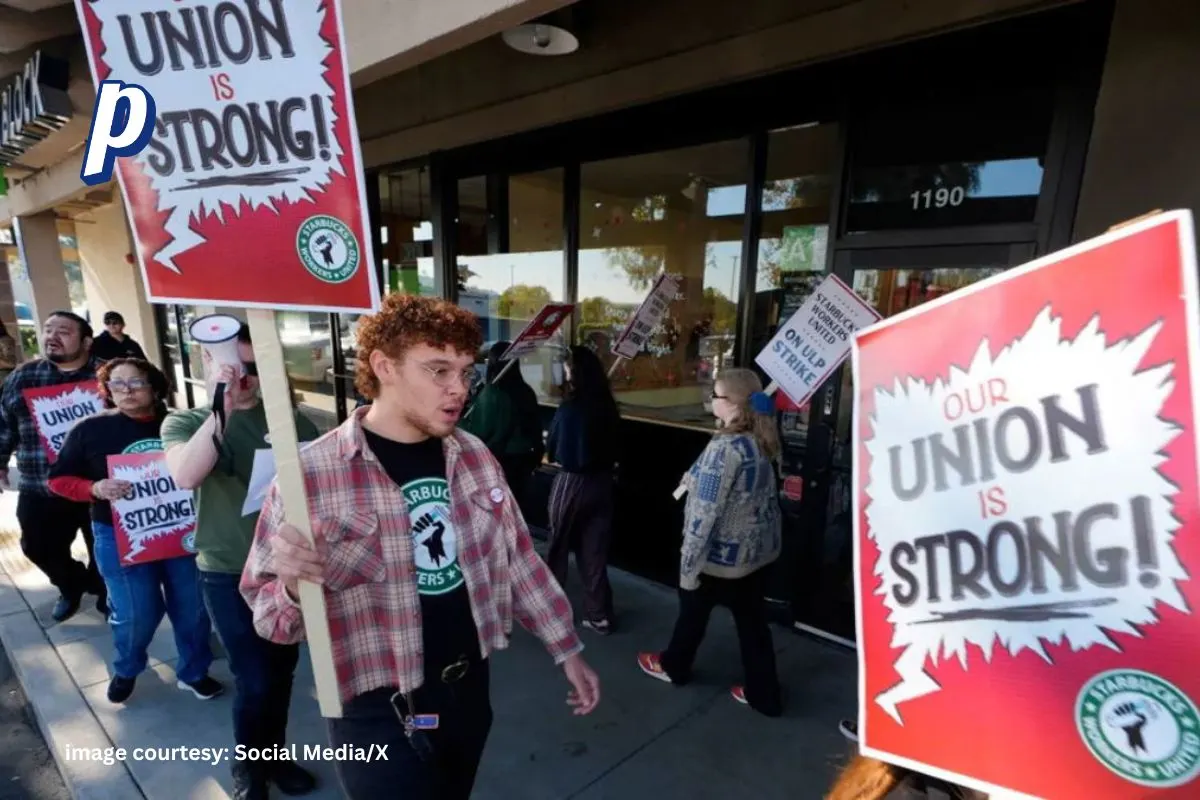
(937, 198)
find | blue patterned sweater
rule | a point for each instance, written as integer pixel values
(731, 522)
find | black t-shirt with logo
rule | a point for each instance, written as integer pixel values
(89, 444)
(420, 472)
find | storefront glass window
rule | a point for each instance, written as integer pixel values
(950, 164)
(681, 211)
(792, 248)
(406, 232)
(506, 273)
(307, 356)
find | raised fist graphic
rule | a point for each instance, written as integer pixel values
(433, 544)
(1131, 718)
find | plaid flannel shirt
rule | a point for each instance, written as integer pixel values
(17, 428)
(370, 585)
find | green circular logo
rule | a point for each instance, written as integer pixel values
(328, 249)
(434, 539)
(144, 446)
(189, 542)
(1141, 727)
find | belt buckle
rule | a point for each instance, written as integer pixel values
(456, 671)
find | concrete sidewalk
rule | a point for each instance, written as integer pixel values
(647, 738)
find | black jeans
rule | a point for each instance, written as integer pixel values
(48, 527)
(262, 671)
(581, 513)
(465, 718)
(744, 597)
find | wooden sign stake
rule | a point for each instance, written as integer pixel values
(277, 403)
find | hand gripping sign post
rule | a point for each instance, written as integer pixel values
(1027, 525)
(813, 342)
(231, 128)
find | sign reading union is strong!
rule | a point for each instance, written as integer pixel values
(1028, 525)
(246, 186)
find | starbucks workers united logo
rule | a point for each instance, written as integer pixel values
(435, 542)
(328, 248)
(1141, 727)
(144, 446)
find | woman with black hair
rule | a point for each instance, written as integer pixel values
(138, 594)
(8, 353)
(507, 418)
(583, 442)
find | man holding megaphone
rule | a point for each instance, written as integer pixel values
(211, 450)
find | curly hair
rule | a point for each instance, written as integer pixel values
(159, 384)
(404, 321)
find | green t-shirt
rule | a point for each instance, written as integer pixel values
(223, 535)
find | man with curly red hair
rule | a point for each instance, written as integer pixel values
(424, 559)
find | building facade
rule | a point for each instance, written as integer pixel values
(751, 148)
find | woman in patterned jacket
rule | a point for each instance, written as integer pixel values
(731, 534)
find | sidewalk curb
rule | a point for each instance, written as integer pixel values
(63, 715)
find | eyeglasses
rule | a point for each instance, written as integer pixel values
(444, 376)
(134, 385)
(715, 396)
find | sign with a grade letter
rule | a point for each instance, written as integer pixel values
(1027, 525)
(245, 185)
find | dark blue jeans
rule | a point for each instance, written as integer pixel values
(139, 595)
(262, 671)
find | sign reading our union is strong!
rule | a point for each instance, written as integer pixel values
(1027, 517)
(245, 186)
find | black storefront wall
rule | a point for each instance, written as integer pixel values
(1037, 98)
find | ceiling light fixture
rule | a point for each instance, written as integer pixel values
(548, 35)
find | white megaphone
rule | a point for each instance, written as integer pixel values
(217, 335)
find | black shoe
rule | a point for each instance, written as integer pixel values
(65, 608)
(291, 778)
(849, 729)
(102, 606)
(248, 784)
(204, 689)
(120, 688)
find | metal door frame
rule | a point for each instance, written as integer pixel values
(822, 426)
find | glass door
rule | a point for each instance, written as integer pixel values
(892, 280)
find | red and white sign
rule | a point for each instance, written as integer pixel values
(156, 519)
(56, 409)
(649, 314)
(539, 330)
(1027, 525)
(250, 192)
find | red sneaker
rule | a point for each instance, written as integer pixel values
(650, 665)
(739, 694)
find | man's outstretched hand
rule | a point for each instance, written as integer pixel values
(585, 685)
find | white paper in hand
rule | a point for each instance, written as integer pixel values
(260, 479)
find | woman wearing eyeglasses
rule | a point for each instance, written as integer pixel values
(731, 534)
(138, 594)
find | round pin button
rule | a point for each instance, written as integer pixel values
(497, 495)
